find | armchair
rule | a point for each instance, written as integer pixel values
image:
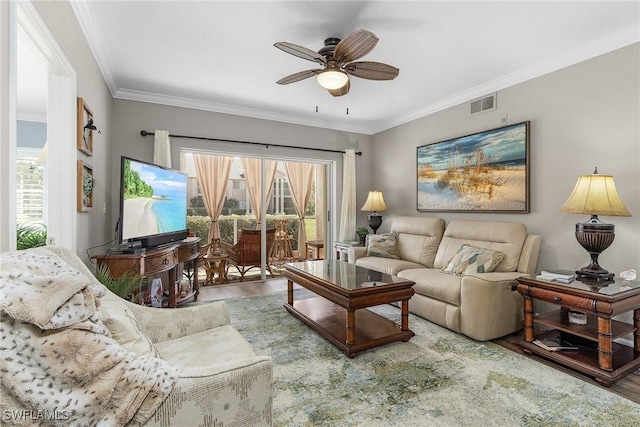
(125, 364)
(246, 254)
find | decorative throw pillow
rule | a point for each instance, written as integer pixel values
(383, 245)
(124, 327)
(469, 259)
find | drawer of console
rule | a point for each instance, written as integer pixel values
(571, 301)
(157, 263)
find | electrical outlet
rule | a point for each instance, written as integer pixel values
(503, 120)
(104, 208)
(51, 241)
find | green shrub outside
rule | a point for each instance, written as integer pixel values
(226, 226)
(199, 225)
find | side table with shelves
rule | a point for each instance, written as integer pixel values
(154, 262)
(314, 249)
(342, 248)
(597, 355)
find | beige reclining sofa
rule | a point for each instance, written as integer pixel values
(482, 306)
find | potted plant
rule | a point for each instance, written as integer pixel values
(30, 235)
(125, 286)
(362, 234)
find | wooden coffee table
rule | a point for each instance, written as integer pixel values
(345, 290)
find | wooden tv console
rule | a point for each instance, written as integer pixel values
(157, 261)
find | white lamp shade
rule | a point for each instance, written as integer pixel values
(332, 79)
(375, 202)
(595, 195)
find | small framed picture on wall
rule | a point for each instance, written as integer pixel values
(86, 183)
(85, 128)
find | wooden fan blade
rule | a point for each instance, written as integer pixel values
(372, 70)
(301, 52)
(342, 91)
(296, 77)
(355, 45)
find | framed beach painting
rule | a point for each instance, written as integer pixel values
(483, 172)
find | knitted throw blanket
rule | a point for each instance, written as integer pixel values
(59, 363)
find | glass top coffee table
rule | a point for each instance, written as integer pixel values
(344, 292)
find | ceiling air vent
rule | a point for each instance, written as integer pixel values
(484, 104)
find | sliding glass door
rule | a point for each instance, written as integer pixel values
(230, 197)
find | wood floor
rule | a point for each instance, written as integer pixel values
(628, 387)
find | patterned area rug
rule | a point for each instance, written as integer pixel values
(438, 378)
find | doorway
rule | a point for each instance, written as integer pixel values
(286, 197)
(28, 30)
(31, 131)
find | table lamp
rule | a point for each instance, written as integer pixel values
(374, 204)
(595, 195)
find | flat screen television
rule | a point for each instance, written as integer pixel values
(153, 204)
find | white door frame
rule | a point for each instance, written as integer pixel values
(27, 25)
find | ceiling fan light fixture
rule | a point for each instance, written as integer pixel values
(332, 79)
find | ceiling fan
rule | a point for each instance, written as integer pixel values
(337, 57)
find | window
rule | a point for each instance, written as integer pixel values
(30, 197)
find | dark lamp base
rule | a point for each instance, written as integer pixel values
(603, 276)
(595, 236)
(375, 221)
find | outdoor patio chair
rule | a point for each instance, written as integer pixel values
(246, 254)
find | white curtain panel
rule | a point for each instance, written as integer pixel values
(321, 210)
(162, 148)
(253, 177)
(213, 177)
(300, 177)
(348, 210)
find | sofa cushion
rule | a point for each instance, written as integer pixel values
(506, 237)
(433, 284)
(470, 259)
(383, 245)
(124, 326)
(386, 265)
(418, 238)
(216, 346)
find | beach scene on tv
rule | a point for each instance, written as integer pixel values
(155, 200)
(485, 171)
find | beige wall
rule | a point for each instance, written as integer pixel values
(132, 117)
(582, 116)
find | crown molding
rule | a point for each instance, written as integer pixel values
(31, 116)
(89, 26)
(590, 50)
(195, 104)
(585, 52)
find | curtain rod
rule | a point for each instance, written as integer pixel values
(265, 144)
